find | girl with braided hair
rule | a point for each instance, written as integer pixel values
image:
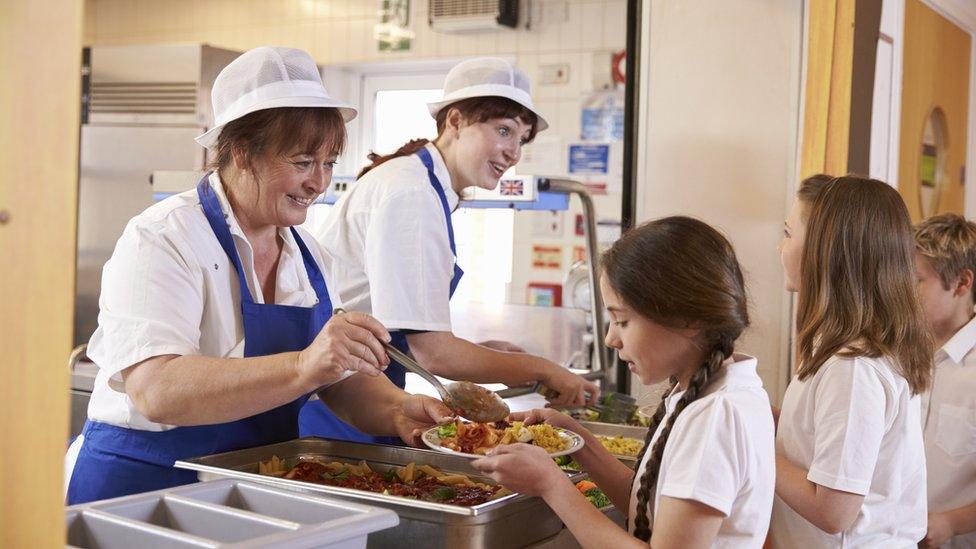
(677, 300)
(850, 463)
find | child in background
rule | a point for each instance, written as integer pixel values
(945, 261)
(677, 301)
(850, 462)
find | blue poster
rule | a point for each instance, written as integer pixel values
(588, 159)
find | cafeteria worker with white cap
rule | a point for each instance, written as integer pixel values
(392, 239)
(215, 322)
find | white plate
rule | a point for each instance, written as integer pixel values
(433, 441)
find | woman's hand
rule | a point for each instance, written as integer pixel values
(522, 468)
(571, 389)
(347, 342)
(417, 413)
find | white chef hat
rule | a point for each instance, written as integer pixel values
(487, 77)
(267, 78)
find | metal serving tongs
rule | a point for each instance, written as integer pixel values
(466, 399)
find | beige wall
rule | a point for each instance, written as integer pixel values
(40, 62)
(718, 136)
(341, 31)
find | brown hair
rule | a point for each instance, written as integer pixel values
(809, 190)
(272, 132)
(473, 110)
(948, 241)
(857, 293)
(679, 272)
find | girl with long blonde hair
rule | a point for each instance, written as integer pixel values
(850, 465)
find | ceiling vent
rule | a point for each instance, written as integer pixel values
(473, 15)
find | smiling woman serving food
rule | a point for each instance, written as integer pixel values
(393, 240)
(215, 322)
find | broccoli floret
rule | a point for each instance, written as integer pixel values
(447, 431)
(597, 498)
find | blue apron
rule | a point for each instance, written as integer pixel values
(319, 420)
(116, 461)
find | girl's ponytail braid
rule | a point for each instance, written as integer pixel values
(696, 386)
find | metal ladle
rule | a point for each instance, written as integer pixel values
(468, 400)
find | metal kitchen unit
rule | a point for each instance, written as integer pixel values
(142, 107)
(514, 520)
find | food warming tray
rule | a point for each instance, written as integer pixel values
(611, 429)
(514, 520)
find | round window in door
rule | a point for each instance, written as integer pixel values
(932, 166)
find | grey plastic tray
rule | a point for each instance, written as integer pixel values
(224, 513)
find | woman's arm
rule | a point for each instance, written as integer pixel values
(449, 356)
(199, 390)
(390, 410)
(833, 511)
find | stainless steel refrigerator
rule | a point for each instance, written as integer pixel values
(141, 108)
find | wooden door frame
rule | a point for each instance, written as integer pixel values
(963, 14)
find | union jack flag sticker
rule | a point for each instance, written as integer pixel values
(511, 187)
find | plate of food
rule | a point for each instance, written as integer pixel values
(476, 439)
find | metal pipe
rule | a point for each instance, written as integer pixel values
(567, 186)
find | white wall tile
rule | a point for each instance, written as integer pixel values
(615, 24)
(591, 30)
(570, 32)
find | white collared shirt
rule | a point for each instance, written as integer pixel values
(949, 422)
(387, 237)
(855, 426)
(720, 452)
(169, 289)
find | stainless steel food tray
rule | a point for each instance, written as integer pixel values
(511, 521)
(611, 429)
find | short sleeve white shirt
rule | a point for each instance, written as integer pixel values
(949, 420)
(720, 453)
(169, 288)
(388, 239)
(855, 426)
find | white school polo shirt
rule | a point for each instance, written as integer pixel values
(388, 238)
(855, 426)
(721, 453)
(169, 289)
(949, 423)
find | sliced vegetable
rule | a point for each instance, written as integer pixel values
(585, 485)
(597, 498)
(445, 431)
